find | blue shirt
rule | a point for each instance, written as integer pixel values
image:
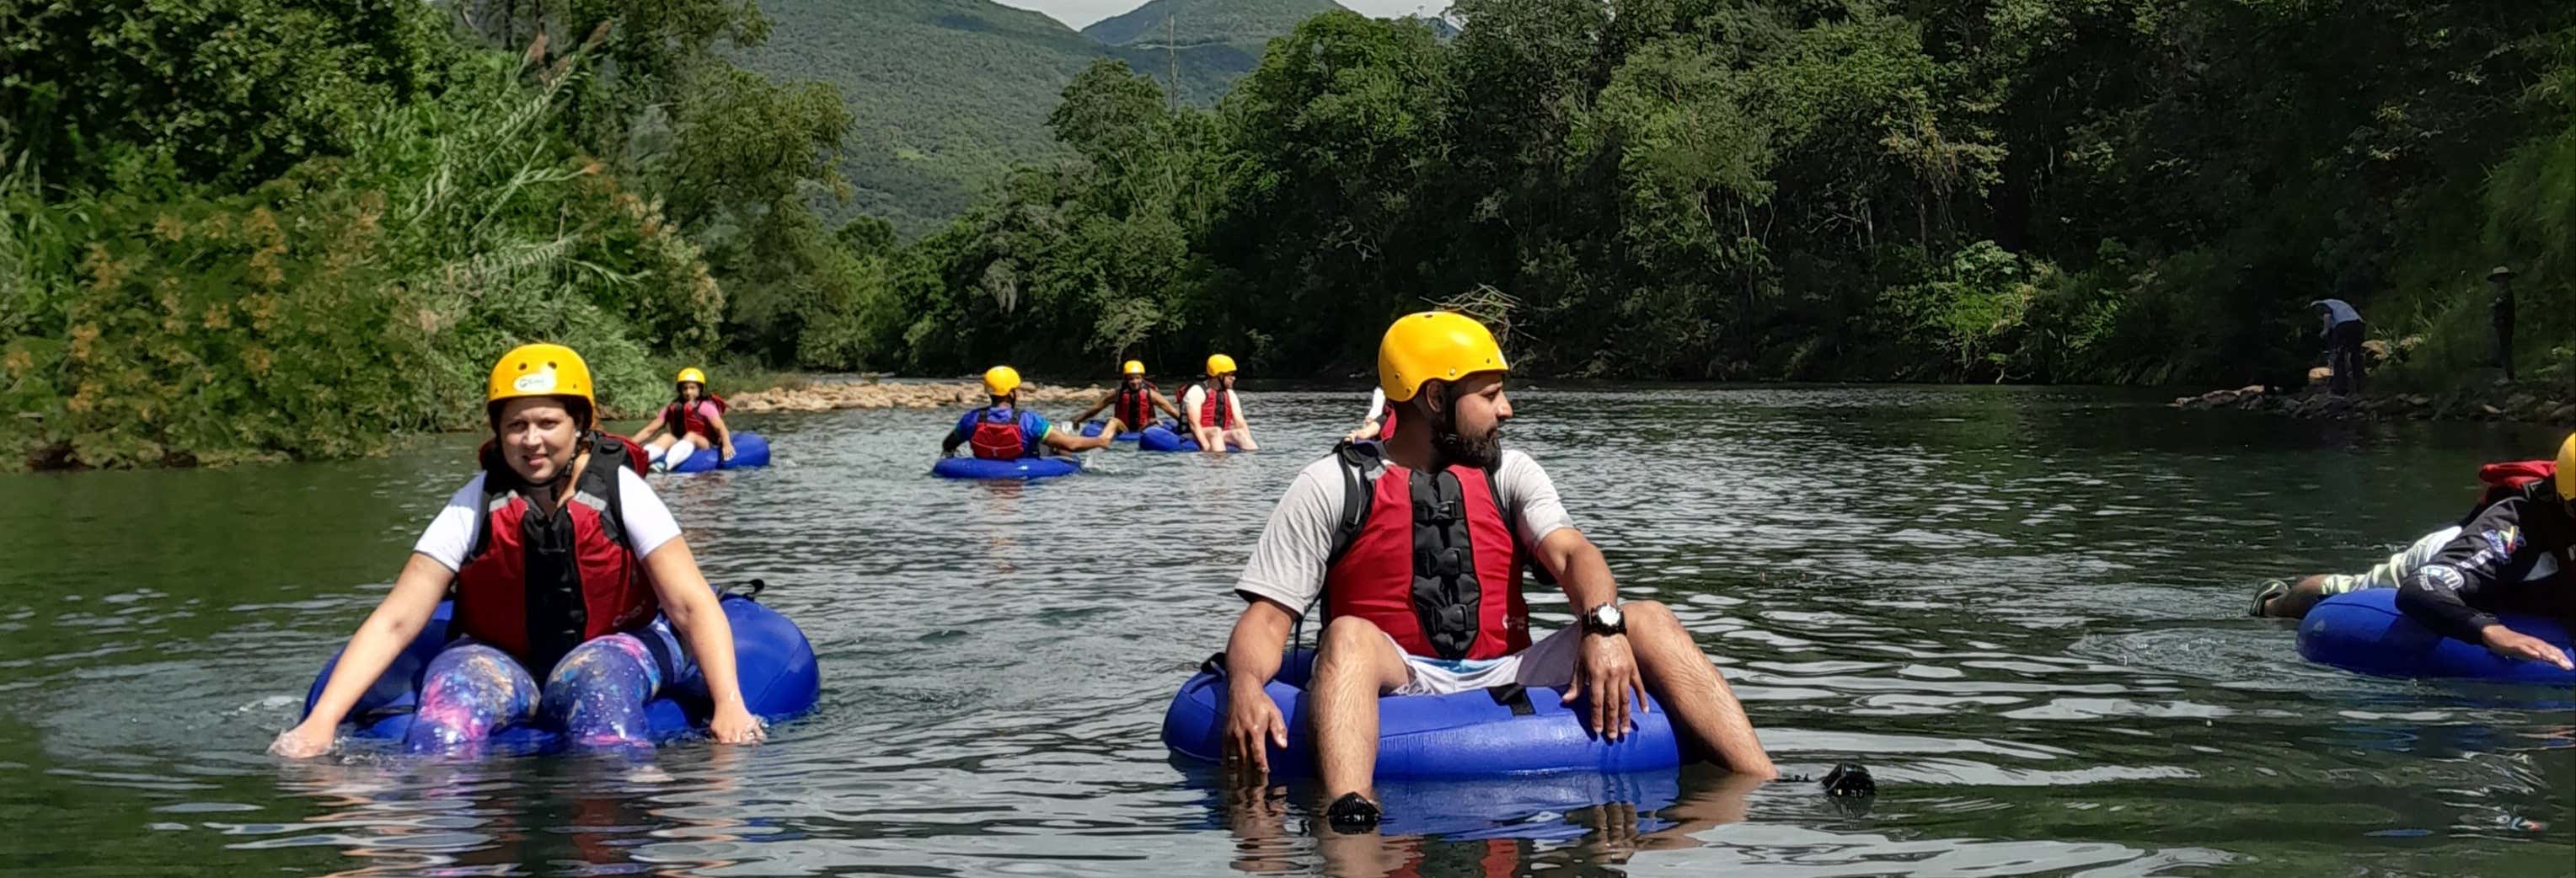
(2337, 312)
(1033, 426)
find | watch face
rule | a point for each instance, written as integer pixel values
(1607, 616)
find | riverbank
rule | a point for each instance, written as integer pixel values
(2502, 402)
(810, 396)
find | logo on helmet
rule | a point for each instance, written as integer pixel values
(535, 382)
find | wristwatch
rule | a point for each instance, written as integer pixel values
(1605, 620)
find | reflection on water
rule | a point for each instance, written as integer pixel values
(2020, 607)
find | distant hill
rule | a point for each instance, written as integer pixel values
(1245, 25)
(1443, 26)
(948, 93)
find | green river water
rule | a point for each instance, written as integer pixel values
(2022, 608)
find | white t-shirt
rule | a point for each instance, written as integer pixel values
(1377, 403)
(451, 535)
(1287, 565)
(1196, 396)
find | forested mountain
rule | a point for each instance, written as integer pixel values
(949, 93)
(2128, 191)
(1244, 25)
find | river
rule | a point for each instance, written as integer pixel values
(2022, 608)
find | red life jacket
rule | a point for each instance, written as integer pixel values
(539, 582)
(998, 440)
(1135, 406)
(1214, 411)
(1430, 559)
(1386, 428)
(2519, 478)
(684, 420)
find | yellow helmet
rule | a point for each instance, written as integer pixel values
(2566, 477)
(1001, 380)
(542, 370)
(1433, 345)
(691, 375)
(1220, 364)
(1133, 367)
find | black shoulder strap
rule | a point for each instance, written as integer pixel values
(605, 451)
(612, 452)
(1355, 459)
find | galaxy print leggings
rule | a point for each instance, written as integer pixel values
(596, 695)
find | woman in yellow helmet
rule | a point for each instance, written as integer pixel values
(1131, 407)
(562, 562)
(1003, 430)
(695, 419)
(1212, 411)
(2512, 555)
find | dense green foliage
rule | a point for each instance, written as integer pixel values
(2049, 190)
(949, 94)
(325, 237)
(330, 234)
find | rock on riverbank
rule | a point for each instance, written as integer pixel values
(2497, 404)
(827, 397)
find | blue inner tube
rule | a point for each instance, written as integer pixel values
(1093, 428)
(1162, 438)
(772, 661)
(2363, 631)
(1458, 736)
(1023, 468)
(749, 450)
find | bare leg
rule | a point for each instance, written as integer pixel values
(1242, 439)
(1692, 690)
(1354, 664)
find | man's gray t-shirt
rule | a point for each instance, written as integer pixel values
(1287, 565)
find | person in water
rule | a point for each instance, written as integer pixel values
(2512, 554)
(1002, 430)
(695, 420)
(1378, 425)
(1131, 407)
(562, 561)
(1350, 534)
(2487, 569)
(2292, 598)
(1214, 412)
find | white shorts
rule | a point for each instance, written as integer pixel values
(1549, 663)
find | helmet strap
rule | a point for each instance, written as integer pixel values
(1444, 424)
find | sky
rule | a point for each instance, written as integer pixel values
(1081, 13)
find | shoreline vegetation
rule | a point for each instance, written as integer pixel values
(320, 245)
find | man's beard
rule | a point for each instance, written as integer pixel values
(1481, 452)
